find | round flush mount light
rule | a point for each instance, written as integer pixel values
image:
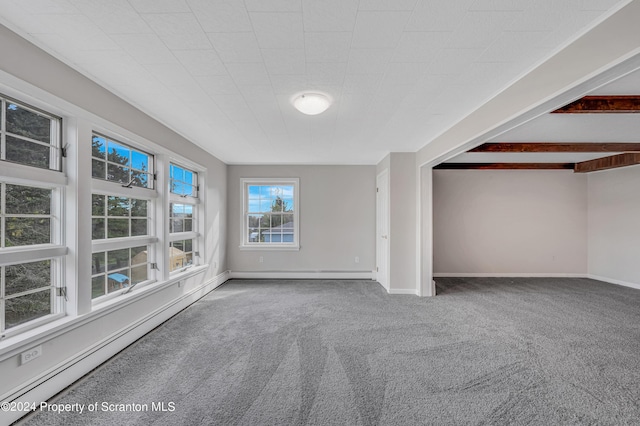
(311, 103)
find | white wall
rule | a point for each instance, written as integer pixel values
(509, 222)
(614, 233)
(337, 220)
(73, 346)
(403, 232)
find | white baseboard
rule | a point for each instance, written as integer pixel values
(411, 291)
(534, 275)
(509, 275)
(302, 275)
(66, 373)
(614, 281)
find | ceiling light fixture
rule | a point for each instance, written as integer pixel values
(311, 103)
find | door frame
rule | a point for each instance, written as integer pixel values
(383, 198)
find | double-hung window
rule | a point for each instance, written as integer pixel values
(32, 249)
(271, 211)
(183, 220)
(123, 240)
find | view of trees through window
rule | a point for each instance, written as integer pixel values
(270, 216)
(116, 217)
(27, 292)
(117, 162)
(31, 137)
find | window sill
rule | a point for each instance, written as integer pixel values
(271, 247)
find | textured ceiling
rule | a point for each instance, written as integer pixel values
(223, 72)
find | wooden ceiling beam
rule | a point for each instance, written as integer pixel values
(557, 147)
(612, 162)
(504, 166)
(602, 105)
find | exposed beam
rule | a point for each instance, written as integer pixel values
(557, 147)
(613, 162)
(602, 105)
(504, 166)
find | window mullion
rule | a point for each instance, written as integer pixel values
(3, 130)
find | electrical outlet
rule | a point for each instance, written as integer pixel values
(357, 259)
(261, 260)
(30, 355)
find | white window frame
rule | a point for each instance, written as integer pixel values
(111, 188)
(245, 244)
(193, 235)
(52, 178)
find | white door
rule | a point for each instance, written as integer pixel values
(382, 229)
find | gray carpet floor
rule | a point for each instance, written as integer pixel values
(485, 351)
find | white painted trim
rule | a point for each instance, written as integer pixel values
(509, 275)
(411, 291)
(301, 275)
(64, 374)
(614, 281)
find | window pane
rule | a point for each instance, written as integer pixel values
(27, 200)
(139, 179)
(177, 173)
(254, 192)
(287, 229)
(98, 169)
(138, 227)
(180, 254)
(138, 208)
(27, 276)
(29, 153)
(265, 205)
(97, 229)
(98, 263)
(20, 310)
(188, 177)
(176, 209)
(138, 255)
(23, 231)
(117, 281)
(187, 190)
(98, 147)
(139, 274)
(117, 259)
(119, 154)
(188, 226)
(117, 173)
(97, 202)
(140, 161)
(182, 181)
(256, 220)
(21, 121)
(97, 286)
(119, 274)
(117, 206)
(117, 228)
